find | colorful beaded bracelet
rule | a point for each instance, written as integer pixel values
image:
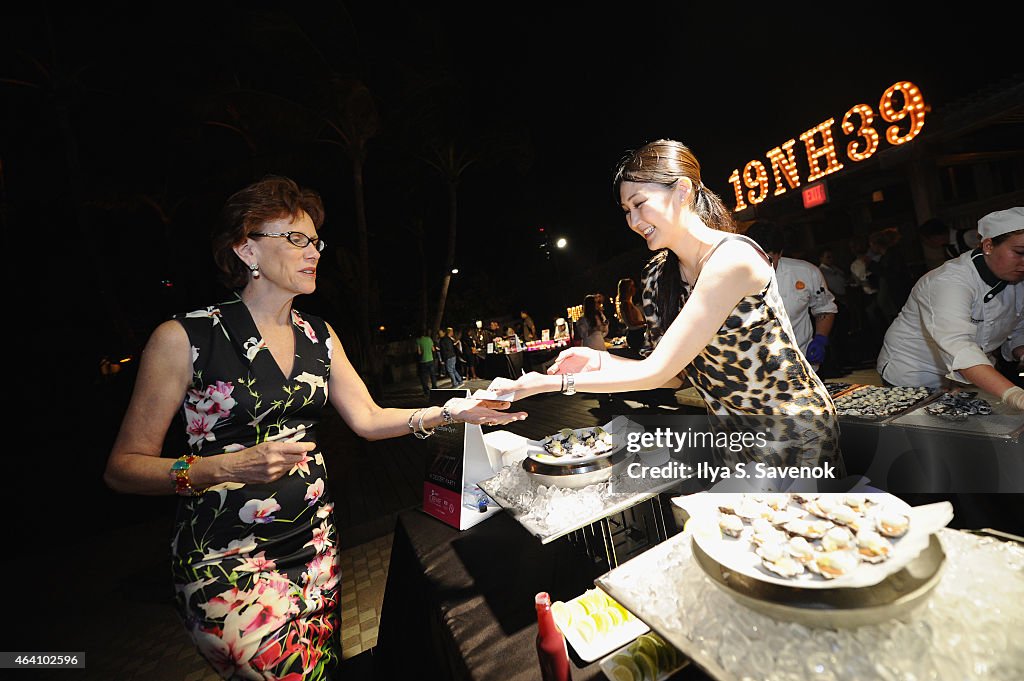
(179, 471)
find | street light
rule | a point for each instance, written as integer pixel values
(561, 243)
(455, 271)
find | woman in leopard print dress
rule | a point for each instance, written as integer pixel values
(714, 317)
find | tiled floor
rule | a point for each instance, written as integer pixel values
(364, 570)
(124, 621)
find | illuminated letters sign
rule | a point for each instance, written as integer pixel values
(903, 100)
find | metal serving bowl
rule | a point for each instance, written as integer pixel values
(577, 476)
(845, 607)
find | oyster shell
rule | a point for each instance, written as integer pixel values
(892, 523)
(785, 566)
(872, 546)
(832, 564)
(731, 525)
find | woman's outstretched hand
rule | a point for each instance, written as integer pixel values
(526, 385)
(483, 412)
(576, 361)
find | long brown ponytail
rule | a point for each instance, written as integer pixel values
(665, 162)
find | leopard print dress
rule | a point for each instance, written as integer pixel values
(753, 377)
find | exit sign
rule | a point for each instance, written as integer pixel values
(814, 194)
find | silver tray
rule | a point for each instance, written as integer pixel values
(888, 418)
(576, 476)
(894, 596)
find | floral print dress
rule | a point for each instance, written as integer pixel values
(255, 566)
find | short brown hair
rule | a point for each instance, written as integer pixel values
(248, 209)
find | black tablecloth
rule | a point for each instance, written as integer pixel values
(459, 605)
(506, 365)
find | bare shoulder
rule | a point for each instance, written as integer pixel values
(737, 263)
(168, 348)
(170, 335)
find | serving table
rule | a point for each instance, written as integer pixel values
(968, 627)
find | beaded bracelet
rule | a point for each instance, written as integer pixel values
(179, 471)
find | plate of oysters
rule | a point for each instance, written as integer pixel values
(573, 446)
(812, 541)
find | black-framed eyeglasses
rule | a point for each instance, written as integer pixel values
(297, 239)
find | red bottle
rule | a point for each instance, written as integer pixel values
(554, 657)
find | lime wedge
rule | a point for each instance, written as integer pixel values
(563, 616)
(575, 610)
(646, 645)
(602, 621)
(586, 629)
(665, 657)
(616, 616)
(623, 661)
(623, 674)
(594, 601)
(647, 666)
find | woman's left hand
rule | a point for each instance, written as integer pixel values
(526, 385)
(482, 412)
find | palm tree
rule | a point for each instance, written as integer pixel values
(451, 164)
(350, 118)
(61, 85)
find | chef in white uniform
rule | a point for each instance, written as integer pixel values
(803, 291)
(961, 313)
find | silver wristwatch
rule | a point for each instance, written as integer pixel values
(568, 384)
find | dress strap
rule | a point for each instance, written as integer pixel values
(741, 237)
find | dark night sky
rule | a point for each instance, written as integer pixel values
(565, 93)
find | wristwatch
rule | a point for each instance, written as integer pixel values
(568, 384)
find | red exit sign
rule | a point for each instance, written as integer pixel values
(814, 195)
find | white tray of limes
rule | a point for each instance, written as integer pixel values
(594, 624)
(648, 658)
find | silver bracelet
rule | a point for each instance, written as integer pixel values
(568, 384)
(421, 432)
(446, 415)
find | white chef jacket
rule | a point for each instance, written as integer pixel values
(803, 289)
(947, 325)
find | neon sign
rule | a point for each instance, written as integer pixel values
(902, 101)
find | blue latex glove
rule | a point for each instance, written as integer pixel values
(816, 350)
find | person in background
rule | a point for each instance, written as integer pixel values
(592, 327)
(940, 242)
(834, 277)
(838, 361)
(529, 328)
(470, 348)
(461, 365)
(561, 329)
(803, 290)
(893, 270)
(426, 368)
(446, 343)
(962, 313)
(255, 549)
(867, 320)
(630, 314)
(493, 332)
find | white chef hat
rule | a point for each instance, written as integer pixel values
(1001, 222)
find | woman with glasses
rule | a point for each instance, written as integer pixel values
(255, 550)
